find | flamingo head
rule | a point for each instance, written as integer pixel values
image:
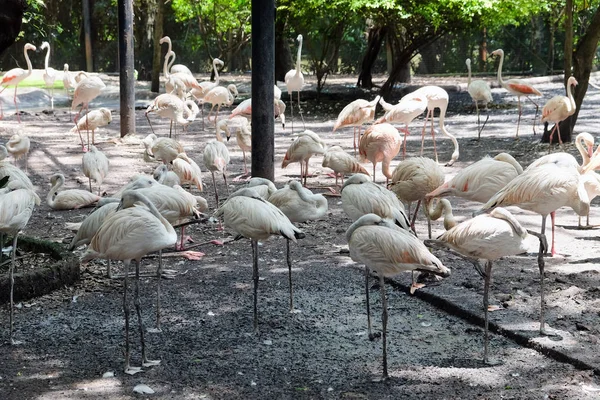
(165, 39)
(498, 52)
(29, 46)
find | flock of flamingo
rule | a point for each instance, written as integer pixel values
(382, 235)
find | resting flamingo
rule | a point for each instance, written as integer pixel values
(519, 88)
(356, 114)
(559, 108)
(294, 81)
(16, 76)
(68, 199)
(95, 166)
(479, 91)
(380, 143)
(388, 250)
(18, 145)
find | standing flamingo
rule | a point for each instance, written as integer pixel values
(413, 179)
(219, 96)
(559, 108)
(380, 143)
(409, 108)
(294, 81)
(95, 166)
(436, 97)
(216, 158)
(205, 86)
(244, 109)
(17, 178)
(92, 121)
(16, 208)
(68, 80)
(489, 237)
(388, 250)
(481, 180)
(519, 88)
(170, 106)
(86, 90)
(341, 163)
(187, 170)
(49, 73)
(177, 68)
(299, 205)
(243, 136)
(18, 145)
(161, 149)
(16, 76)
(302, 149)
(251, 216)
(479, 91)
(356, 114)
(129, 234)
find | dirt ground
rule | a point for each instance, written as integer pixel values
(73, 338)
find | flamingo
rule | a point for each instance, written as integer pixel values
(249, 215)
(409, 108)
(481, 180)
(219, 96)
(95, 166)
(86, 90)
(170, 106)
(49, 73)
(294, 81)
(68, 80)
(436, 97)
(302, 149)
(16, 76)
(490, 237)
(559, 108)
(177, 68)
(413, 179)
(244, 109)
(262, 186)
(388, 250)
(479, 91)
(136, 182)
(299, 205)
(161, 149)
(243, 136)
(216, 158)
(18, 145)
(166, 177)
(129, 234)
(92, 121)
(380, 143)
(360, 196)
(68, 199)
(16, 208)
(205, 86)
(186, 170)
(87, 228)
(17, 178)
(341, 163)
(356, 114)
(519, 88)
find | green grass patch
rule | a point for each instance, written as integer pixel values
(38, 82)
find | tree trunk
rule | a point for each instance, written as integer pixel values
(375, 39)
(156, 55)
(568, 39)
(583, 59)
(283, 54)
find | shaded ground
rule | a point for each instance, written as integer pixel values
(73, 336)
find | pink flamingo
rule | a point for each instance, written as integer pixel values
(16, 76)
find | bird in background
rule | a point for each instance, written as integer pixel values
(480, 92)
(559, 108)
(17, 178)
(307, 144)
(129, 234)
(243, 136)
(68, 80)
(171, 107)
(219, 96)
(16, 76)
(489, 237)
(18, 146)
(16, 208)
(299, 205)
(86, 90)
(161, 149)
(407, 109)
(436, 97)
(517, 87)
(294, 81)
(186, 170)
(244, 109)
(95, 167)
(49, 73)
(388, 250)
(216, 158)
(91, 121)
(252, 217)
(205, 86)
(341, 163)
(380, 143)
(69, 199)
(356, 114)
(480, 180)
(177, 68)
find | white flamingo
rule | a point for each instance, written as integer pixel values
(294, 81)
(18, 145)
(49, 73)
(341, 163)
(479, 91)
(68, 199)
(95, 166)
(92, 121)
(302, 149)
(216, 158)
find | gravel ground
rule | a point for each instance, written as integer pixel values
(73, 336)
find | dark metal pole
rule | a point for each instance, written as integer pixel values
(126, 77)
(87, 33)
(263, 80)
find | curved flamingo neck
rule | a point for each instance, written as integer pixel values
(29, 67)
(570, 96)
(216, 73)
(166, 66)
(50, 197)
(500, 81)
(171, 60)
(584, 154)
(47, 60)
(455, 153)
(444, 208)
(298, 57)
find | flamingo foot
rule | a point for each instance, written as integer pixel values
(132, 370)
(242, 178)
(150, 363)
(192, 255)
(415, 286)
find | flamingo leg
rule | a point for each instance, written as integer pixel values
(12, 285)
(138, 310)
(16, 107)
(255, 280)
(537, 109)
(541, 266)
(149, 123)
(90, 181)
(87, 126)
(425, 127)
(552, 217)
(215, 186)
(292, 109)
(414, 218)
(170, 128)
(289, 263)
(372, 336)
(374, 165)
(433, 138)
(158, 276)
(300, 111)
(486, 293)
(128, 369)
(384, 320)
(404, 144)
(519, 120)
